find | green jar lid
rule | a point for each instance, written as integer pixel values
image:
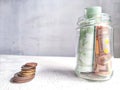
(93, 11)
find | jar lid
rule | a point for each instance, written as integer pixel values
(93, 11)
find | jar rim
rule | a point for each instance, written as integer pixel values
(84, 20)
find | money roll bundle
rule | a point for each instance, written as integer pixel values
(103, 54)
(26, 74)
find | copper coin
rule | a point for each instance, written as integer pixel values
(28, 71)
(25, 75)
(31, 64)
(18, 81)
(27, 67)
(21, 78)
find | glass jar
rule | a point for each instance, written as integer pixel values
(95, 46)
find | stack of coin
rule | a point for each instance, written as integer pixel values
(26, 74)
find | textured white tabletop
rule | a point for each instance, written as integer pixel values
(53, 73)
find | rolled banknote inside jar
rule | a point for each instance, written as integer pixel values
(102, 54)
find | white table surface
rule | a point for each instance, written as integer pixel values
(53, 73)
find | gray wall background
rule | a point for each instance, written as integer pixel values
(48, 27)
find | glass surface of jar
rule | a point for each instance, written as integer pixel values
(95, 46)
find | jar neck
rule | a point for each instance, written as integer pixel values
(98, 19)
